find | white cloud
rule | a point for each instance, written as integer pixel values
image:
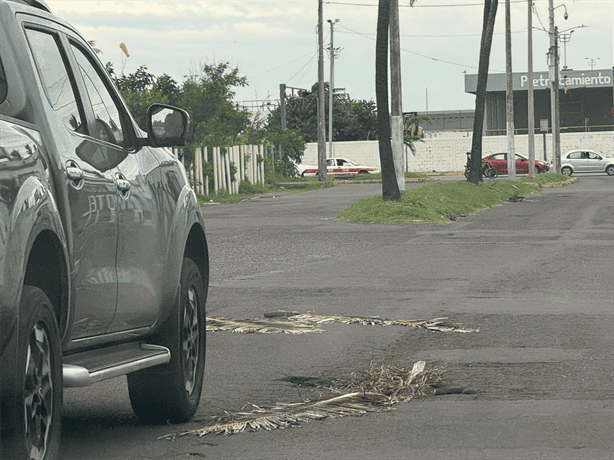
(260, 37)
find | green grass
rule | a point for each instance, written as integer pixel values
(378, 177)
(441, 202)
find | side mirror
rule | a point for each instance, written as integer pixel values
(167, 126)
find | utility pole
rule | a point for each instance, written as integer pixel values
(530, 98)
(509, 97)
(556, 133)
(396, 100)
(331, 89)
(321, 108)
(282, 105)
(554, 88)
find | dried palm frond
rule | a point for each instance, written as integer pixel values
(259, 326)
(285, 415)
(433, 324)
(396, 384)
(372, 391)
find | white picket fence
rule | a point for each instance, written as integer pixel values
(247, 160)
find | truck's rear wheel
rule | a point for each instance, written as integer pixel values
(37, 390)
(172, 392)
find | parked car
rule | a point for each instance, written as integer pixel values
(340, 166)
(104, 266)
(498, 161)
(586, 161)
(301, 168)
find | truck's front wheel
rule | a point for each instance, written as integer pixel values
(37, 390)
(172, 393)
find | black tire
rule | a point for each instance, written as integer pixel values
(467, 173)
(172, 392)
(567, 171)
(610, 170)
(37, 391)
(491, 173)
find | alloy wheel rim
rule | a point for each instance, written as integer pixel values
(190, 340)
(38, 392)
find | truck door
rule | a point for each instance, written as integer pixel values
(86, 187)
(141, 244)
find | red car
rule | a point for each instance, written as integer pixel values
(499, 162)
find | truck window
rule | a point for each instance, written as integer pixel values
(55, 78)
(3, 85)
(109, 126)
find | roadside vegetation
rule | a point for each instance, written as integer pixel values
(444, 202)
(417, 177)
(275, 183)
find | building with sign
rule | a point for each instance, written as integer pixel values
(585, 100)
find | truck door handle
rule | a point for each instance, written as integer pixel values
(123, 185)
(74, 174)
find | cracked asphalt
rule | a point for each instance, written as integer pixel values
(536, 382)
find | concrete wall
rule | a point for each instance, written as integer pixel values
(445, 151)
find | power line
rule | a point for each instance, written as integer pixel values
(275, 68)
(416, 54)
(308, 64)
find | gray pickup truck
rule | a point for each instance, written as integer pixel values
(104, 268)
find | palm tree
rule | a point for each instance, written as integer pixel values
(490, 11)
(390, 187)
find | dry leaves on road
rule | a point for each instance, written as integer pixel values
(303, 323)
(372, 391)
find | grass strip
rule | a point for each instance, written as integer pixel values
(443, 202)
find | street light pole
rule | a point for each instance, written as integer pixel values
(592, 62)
(565, 38)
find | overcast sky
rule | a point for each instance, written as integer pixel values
(274, 42)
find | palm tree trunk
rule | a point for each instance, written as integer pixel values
(490, 11)
(390, 187)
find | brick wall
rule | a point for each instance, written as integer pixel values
(442, 152)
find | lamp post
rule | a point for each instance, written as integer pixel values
(592, 62)
(564, 38)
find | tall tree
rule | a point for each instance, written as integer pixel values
(353, 120)
(139, 90)
(390, 187)
(488, 25)
(207, 95)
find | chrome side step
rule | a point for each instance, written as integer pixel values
(83, 369)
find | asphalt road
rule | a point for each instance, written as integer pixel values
(537, 379)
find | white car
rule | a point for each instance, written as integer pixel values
(338, 166)
(586, 161)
